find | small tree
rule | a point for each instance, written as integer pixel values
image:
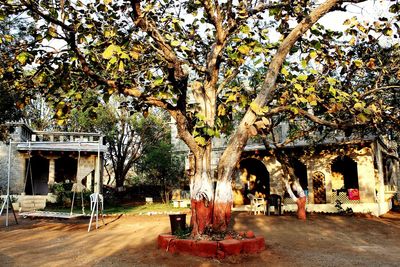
(159, 166)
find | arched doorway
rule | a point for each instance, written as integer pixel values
(254, 177)
(319, 190)
(37, 176)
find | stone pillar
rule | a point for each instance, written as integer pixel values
(366, 176)
(52, 171)
(310, 171)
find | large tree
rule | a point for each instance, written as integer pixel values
(195, 59)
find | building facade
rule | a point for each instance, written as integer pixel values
(361, 173)
(41, 159)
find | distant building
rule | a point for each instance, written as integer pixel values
(40, 159)
(361, 172)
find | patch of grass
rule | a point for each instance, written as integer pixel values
(131, 209)
(143, 208)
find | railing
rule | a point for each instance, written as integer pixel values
(41, 136)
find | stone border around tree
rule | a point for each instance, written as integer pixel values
(210, 249)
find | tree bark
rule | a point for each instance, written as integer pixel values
(288, 171)
(201, 192)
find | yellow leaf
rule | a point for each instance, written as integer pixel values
(256, 109)
(302, 77)
(266, 121)
(313, 54)
(358, 106)
(299, 87)
(22, 57)
(108, 53)
(175, 43)
(221, 110)
(244, 49)
(358, 63)
(134, 55)
(121, 66)
(284, 71)
(106, 2)
(231, 98)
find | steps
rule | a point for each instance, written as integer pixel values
(30, 203)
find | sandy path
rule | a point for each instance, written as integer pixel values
(323, 240)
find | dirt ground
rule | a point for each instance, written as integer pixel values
(322, 240)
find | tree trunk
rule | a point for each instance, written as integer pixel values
(226, 167)
(222, 205)
(201, 193)
(289, 172)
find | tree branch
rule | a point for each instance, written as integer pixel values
(372, 91)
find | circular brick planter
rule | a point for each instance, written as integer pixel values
(211, 249)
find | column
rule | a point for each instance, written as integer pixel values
(52, 171)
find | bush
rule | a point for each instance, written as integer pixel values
(64, 194)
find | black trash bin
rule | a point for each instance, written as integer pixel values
(178, 222)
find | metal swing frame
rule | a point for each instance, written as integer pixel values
(7, 200)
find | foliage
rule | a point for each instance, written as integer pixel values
(12, 33)
(159, 166)
(64, 195)
(129, 135)
(39, 115)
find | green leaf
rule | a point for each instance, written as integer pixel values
(175, 43)
(22, 57)
(158, 81)
(200, 140)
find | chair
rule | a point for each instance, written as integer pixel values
(96, 197)
(275, 201)
(257, 204)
